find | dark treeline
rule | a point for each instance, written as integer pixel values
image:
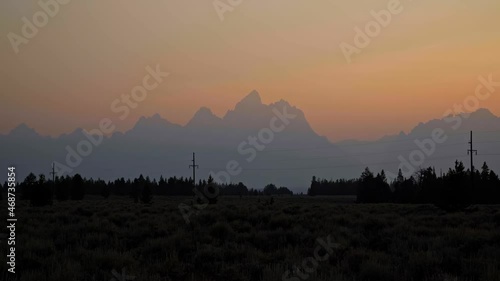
(457, 187)
(453, 189)
(329, 187)
(41, 191)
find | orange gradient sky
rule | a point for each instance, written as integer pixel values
(91, 52)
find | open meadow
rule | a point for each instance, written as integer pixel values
(250, 238)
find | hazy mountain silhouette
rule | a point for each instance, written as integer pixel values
(155, 146)
(486, 134)
(23, 132)
(204, 119)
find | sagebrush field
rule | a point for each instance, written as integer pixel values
(249, 238)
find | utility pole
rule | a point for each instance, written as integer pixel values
(53, 173)
(471, 151)
(194, 166)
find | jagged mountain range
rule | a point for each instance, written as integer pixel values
(284, 151)
(450, 143)
(155, 146)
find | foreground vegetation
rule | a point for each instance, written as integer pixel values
(249, 238)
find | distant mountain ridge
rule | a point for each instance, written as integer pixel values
(455, 128)
(156, 146)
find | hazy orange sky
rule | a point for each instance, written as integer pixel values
(91, 52)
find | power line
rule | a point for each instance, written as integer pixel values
(334, 166)
(332, 146)
(487, 141)
(364, 154)
(347, 155)
(352, 155)
(373, 143)
(412, 138)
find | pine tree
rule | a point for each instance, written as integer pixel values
(62, 186)
(77, 188)
(41, 194)
(485, 172)
(28, 186)
(212, 190)
(455, 193)
(147, 193)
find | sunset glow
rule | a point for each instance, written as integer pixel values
(427, 59)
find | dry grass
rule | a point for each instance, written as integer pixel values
(244, 239)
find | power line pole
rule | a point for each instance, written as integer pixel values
(471, 151)
(194, 166)
(53, 173)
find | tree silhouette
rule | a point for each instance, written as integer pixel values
(373, 189)
(405, 190)
(77, 187)
(28, 186)
(452, 191)
(455, 193)
(270, 189)
(40, 194)
(212, 190)
(428, 185)
(137, 188)
(105, 191)
(62, 188)
(147, 193)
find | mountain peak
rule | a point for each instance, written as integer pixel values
(21, 126)
(252, 98)
(483, 113)
(23, 130)
(155, 121)
(204, 111)
(203, 117)
(248, 106)
(156, 117)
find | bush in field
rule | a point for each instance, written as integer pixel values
(240, 240)
(221, 231)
